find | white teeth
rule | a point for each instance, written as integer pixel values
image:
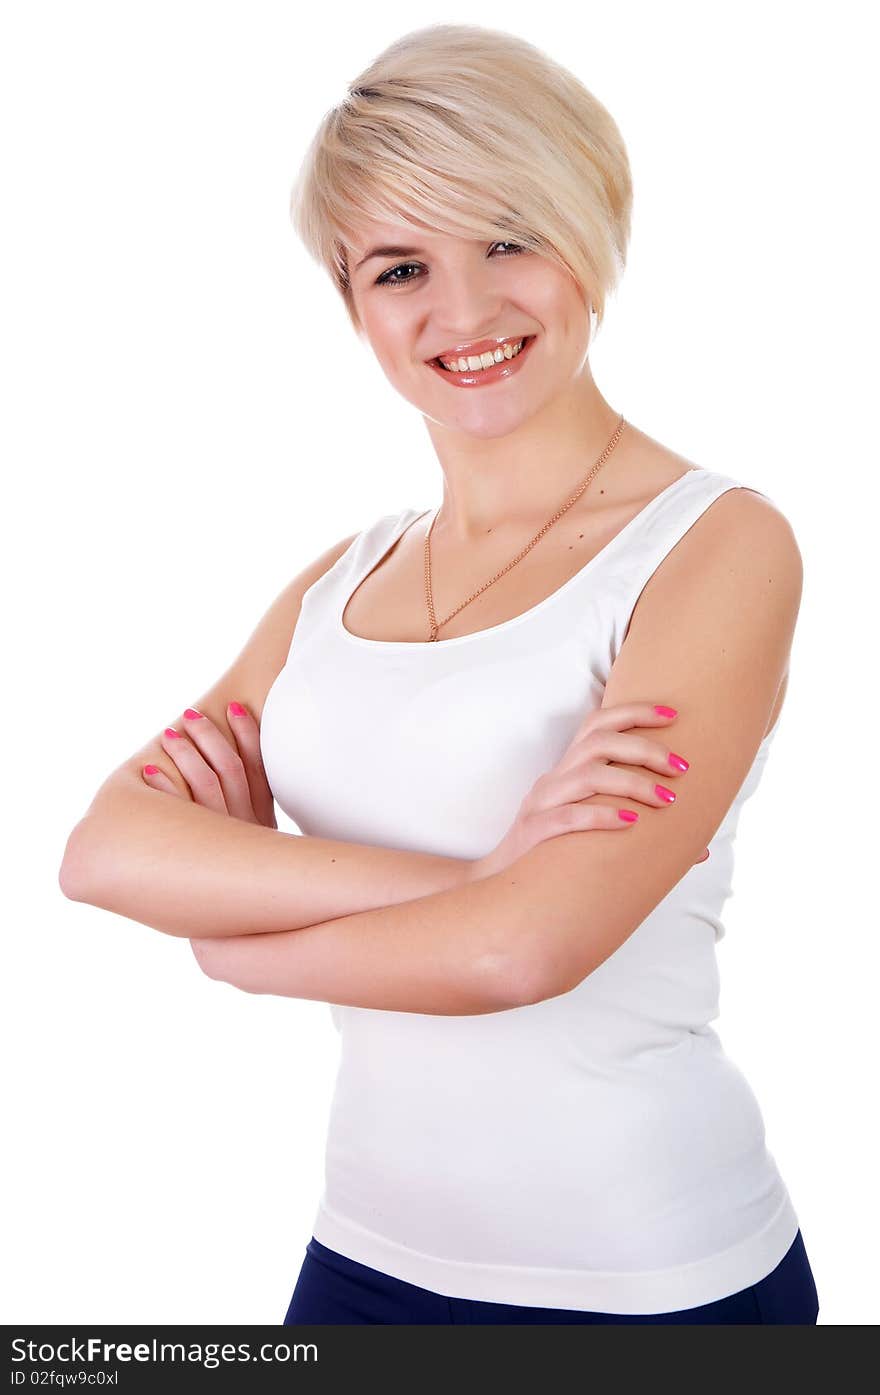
(476, 362)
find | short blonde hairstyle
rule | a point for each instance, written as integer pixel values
(474, 133)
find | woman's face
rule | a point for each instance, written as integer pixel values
(437, 295)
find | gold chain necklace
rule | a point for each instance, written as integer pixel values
(434, 622)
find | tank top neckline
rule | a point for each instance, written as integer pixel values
(403, 522)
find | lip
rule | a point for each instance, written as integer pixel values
(486, 376)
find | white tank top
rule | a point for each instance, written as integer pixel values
(598, 1150)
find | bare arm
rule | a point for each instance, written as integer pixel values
(188, 871)
(449, 953)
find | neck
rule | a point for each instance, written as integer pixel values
(520, 479)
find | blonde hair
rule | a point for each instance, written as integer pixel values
(474, 133)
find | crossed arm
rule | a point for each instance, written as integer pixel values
(715, 624)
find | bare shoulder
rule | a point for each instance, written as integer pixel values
(742, 504)
(741, 525)
(744, 525)
(741, 543)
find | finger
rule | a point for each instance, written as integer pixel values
(581, 818)
(158, 780)
(595, 777)
(244, 728)
(222, 758)
(202, 780)
(626, 748)
(621, 716)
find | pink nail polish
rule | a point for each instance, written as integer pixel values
(627, 815)
(237, 710)
(151, 770)
(666, 711)
(678, 762)
(192, 714)
(169, 731)
(663, 793)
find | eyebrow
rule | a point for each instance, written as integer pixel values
(390, 252)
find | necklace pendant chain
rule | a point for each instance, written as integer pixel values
(436, 624)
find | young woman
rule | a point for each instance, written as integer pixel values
(534, 1120)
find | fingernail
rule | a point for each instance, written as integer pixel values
(663, 793)
(666, 711)
(151, 770)
(627, 815)
(192, 713)
(678, 762)
(237, 710)
(169, 731)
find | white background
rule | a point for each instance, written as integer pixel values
(190, 421)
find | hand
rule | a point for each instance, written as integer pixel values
(553, 804)
(228, 779)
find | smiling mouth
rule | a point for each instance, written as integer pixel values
(497, 371)
(479, 367)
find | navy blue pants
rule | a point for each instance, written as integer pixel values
(332, 1288)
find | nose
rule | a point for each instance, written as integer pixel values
(466, 307)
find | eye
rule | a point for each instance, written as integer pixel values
(389, 278)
